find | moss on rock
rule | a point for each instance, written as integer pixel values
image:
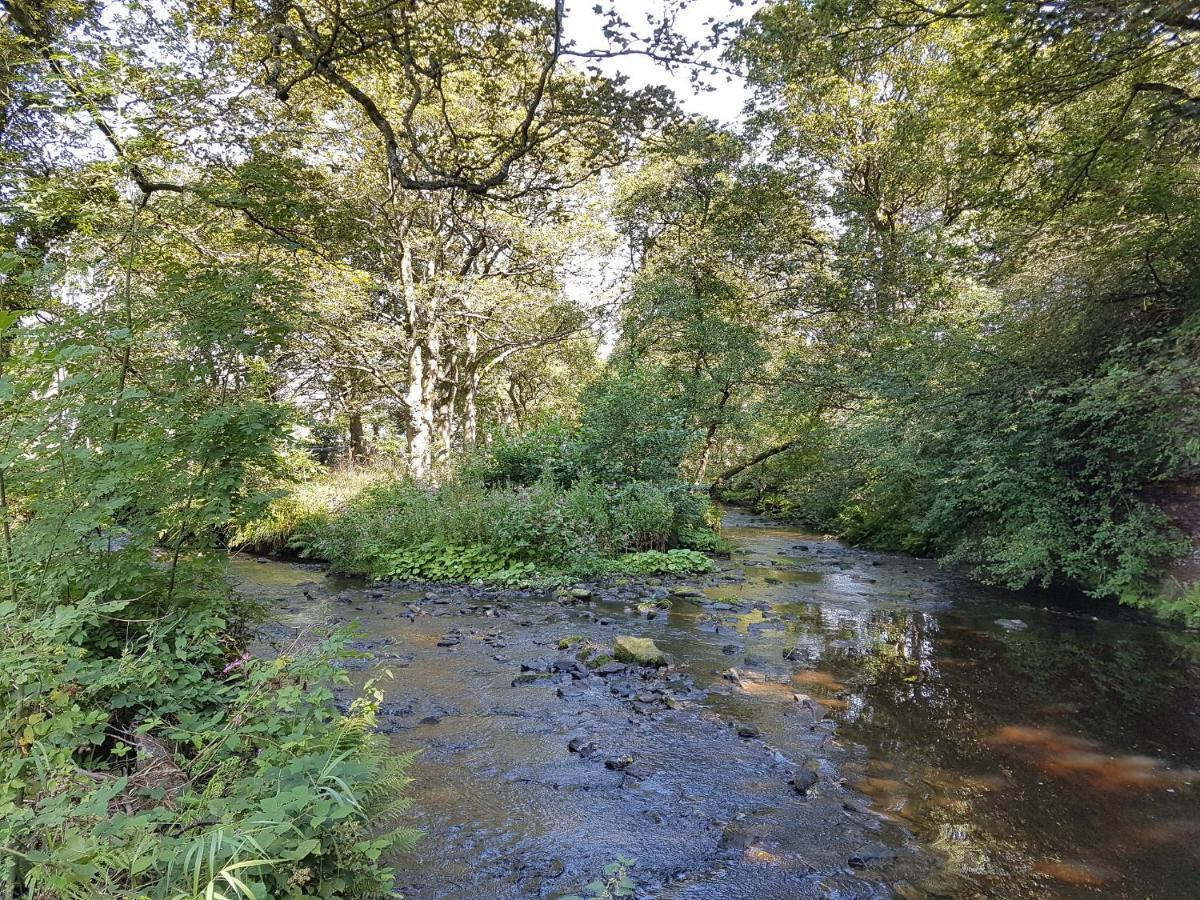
(638, 651)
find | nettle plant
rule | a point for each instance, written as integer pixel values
(143, 751)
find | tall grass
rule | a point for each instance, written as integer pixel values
(367, 522)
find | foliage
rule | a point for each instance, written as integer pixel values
(143, 751)
(242, 780)
(657, 562)
(616, 882)
(435, 561)
(521, 458)
(999, 355)
(466, 531)
(289, 520)
(634, 427)
(1026, 482)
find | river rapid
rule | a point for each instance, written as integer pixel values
(833, 723)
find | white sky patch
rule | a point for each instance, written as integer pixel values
(726, 95)
(597, 281)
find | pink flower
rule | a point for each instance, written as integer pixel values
(237, 663)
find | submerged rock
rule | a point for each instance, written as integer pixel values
(582, 746)
(803, 781)
(1012, 624)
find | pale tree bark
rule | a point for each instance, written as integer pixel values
(471, 400)
(471, 410)
(422, 365)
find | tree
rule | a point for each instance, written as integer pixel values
(721, 246)
(1011, 209)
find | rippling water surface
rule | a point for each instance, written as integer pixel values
(1028, 745)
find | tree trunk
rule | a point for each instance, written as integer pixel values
(733, 471)
(471, 410)
(471, 401)
(448, 392)
(420, 415)
(422, 375)
(710, 437)
(358, 443)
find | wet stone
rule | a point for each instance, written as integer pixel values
(624, 761)
(871, 856)
(803, 781)
(582, 746)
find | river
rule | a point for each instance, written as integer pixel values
(834, 723)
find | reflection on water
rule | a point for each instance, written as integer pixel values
(1039, 747)
(1042, 751)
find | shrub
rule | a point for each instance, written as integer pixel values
(466, 531)
(523, 458)
(1040, 479)
(436, 561)
(656, 562)
(154, 764)
(634, 427)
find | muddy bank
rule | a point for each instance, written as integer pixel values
(830, 725)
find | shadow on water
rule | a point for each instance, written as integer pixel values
(1042, 750)
(1008, 745)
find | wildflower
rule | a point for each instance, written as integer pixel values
(237, 663)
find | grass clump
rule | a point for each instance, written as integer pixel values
(503, 533)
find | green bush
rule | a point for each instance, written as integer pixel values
(466, 531)
(635, 427)
(524, 457)
(1025, 477)
(158, 763)
(657, 562)
(435, 561)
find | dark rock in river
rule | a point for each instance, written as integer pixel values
(803, 780)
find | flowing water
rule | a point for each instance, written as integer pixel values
(965, 742)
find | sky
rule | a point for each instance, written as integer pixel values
(592, 283)
(728, 95)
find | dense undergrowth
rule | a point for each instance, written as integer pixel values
(511, 516)
(1026, 477)
(149, 746)
(161, 760)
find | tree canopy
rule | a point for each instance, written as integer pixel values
(427, 289)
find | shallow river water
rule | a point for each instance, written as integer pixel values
(834, 723)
